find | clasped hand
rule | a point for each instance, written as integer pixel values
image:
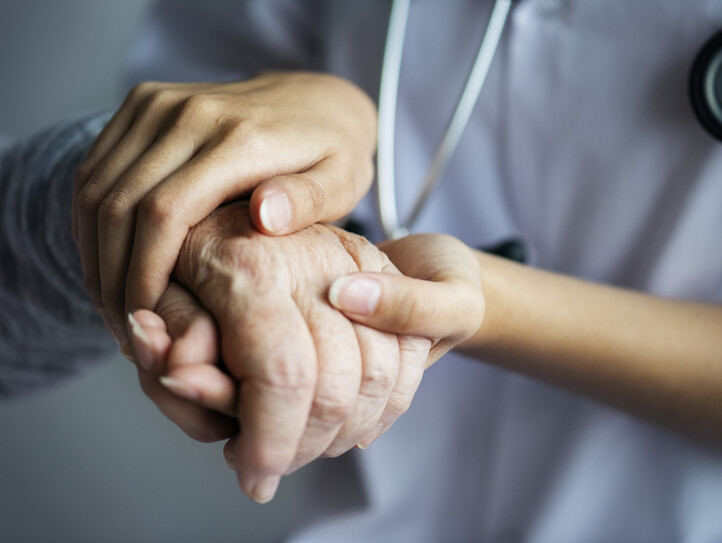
(300, 143)
(295, 346)
(302, 379)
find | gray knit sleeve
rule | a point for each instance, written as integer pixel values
(48, 327)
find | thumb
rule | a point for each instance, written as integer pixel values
(449, 309)
(179, 333)
(191, 328)
(289, 203)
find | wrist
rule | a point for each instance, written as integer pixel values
(502, 281)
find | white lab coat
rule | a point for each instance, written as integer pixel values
(583, 144)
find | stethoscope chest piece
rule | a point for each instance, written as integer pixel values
(705, 86)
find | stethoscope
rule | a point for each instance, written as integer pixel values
(705, 88)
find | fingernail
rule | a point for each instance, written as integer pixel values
(265, 489)
(179, 388)
(355, 294)
(141, 344)
(275, 212)
(371, 436)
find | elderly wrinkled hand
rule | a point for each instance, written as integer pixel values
(182, 340)
(310, 382)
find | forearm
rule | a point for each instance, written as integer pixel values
(653, 357)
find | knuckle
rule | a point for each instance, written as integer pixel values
(243, 131)
(316, 197)
(198, 106)
(159, 207)
(116, 207)
(89, 198)
(331, 408)
(233, 134)
(287, 374)
(157, 99)
(141, 90)
(366, 255)
(378, 380)
(415, 349)
(157, 102)
(178, 310)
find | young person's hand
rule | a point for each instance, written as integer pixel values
(439, 295)
(302, 143)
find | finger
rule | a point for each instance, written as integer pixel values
(88, 204)
(226, 168)
(413, 354)
(380, 355)
(189, 392)
(228, 452)
(88, 247)
(191, 362)
(288, 203)
(198, 422)
(108, 138)
(116, 127)
(204, 385)
(150, 340)
(198, 345)
(268, 348)
(339, 379)
(165, 215)
(192, 328)
(182, 331)
(399, 304)
(117, 216)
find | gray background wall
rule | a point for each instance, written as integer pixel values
(92, 459)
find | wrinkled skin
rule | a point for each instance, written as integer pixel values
(279, 334)
(310, 382)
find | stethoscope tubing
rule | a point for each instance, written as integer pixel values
(705, 86)
(388, 97)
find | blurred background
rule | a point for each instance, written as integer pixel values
(92, 459)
